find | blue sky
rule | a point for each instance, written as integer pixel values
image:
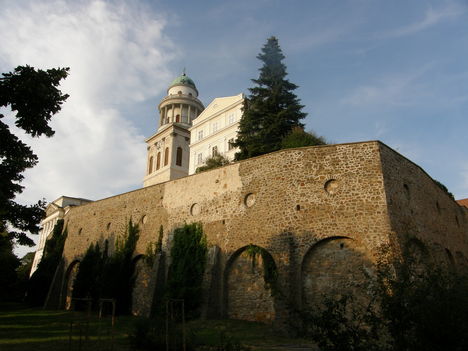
(396, 71)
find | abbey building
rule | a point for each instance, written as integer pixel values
(320, 216)
(188, 133)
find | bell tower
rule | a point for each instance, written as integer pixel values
(168, 148)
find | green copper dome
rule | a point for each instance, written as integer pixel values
(184, 80)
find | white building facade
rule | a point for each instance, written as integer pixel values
(55, 210)
(215, 130)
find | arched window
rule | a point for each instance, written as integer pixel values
(179, 157)
(150, 166)
(177, 118)
(158, 161)
(166, 156)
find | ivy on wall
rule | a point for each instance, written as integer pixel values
(154, 249)
(103, 276)
(270, 273)
(188, 257)
(38, 285)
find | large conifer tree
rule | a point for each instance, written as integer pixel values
(272, 110)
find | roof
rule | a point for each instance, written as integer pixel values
(217, 106)
(183, 80)
(463, 202)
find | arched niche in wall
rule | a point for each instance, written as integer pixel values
(248, 295)
(70, 277)
(334, 267)
(416, 256)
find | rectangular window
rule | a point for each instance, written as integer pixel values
(200, 134)
(231, 118)
(215, 127)
(230, 144)
(199, 158)
(214, 151)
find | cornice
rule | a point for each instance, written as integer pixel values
(179, 99)
(216, 114)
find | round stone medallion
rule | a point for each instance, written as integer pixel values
(195, 209)
(249, 200)
(331, 186)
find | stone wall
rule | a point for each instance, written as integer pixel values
(320, 212)
(422, 215)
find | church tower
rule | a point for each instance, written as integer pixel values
(168, 148)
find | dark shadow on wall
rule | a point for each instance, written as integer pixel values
(331, 267)
(68, 281)
(334, 267)
(248, 289)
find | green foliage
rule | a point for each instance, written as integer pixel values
(24, 328)
(298, 138)
(213, 162)
(24, 269)
(41, 279)
(272, 110)
(154, 334)
(34, 98)
(8, 264)
(103, 276)
(148, 334)
(408, 310)
(118, 272)
(444, 188)
(89, 277)
(230, 343)
(344, 324)
(424, 310)
(22, 277)
(154, 248)
(188, 260)
(53, 248)
(270, 273)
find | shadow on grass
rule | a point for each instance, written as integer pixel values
(23, 328)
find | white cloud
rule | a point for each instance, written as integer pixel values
(118, 55)
(431, 18)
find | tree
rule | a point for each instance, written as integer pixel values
(298, 138)
(410, 307)
(34, 98)
(272, 110)
(8, 265)
(213, 162)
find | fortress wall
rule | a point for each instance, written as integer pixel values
(288, 202)
(422, 213)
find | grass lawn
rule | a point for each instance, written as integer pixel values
(23, 328)
(257, 336)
